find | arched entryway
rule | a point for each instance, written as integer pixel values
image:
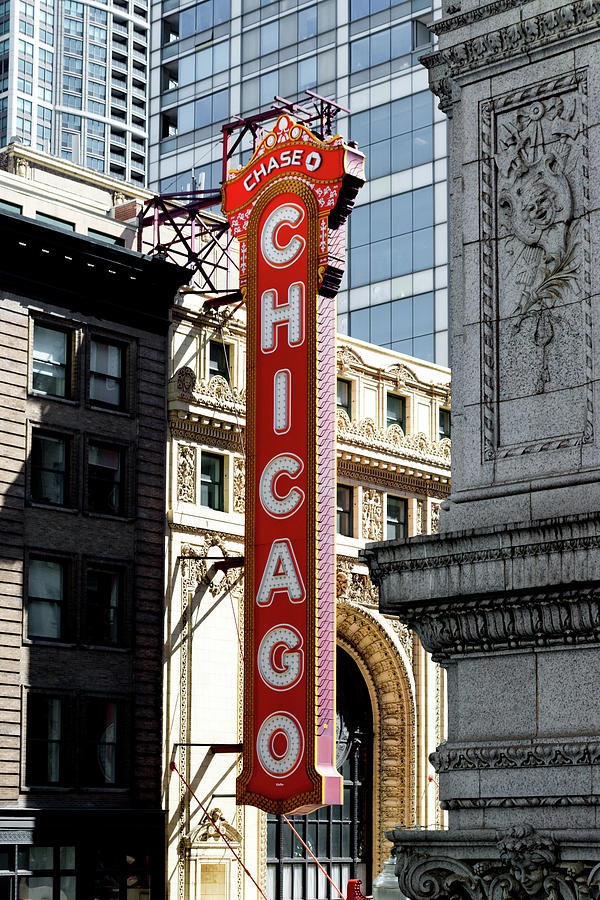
(339, 836)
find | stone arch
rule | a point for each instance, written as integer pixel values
(391, 690)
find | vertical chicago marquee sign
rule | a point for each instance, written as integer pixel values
(287, 208)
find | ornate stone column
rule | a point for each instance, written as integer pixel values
(506, 596)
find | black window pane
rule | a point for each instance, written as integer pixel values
(101, 733)
(50, 361)
(444, 423)
(211, 481)
(44, 735)
(396, 411)
(344, 396)
(105, 479)
(397, 518)
(45, 597)
(103, 608)
(219, 359)
(106, 373)
(344, 510)
(48, 469)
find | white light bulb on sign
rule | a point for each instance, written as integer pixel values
(274, 252)
(280, 658)
(275, 315)
(282, 389)
(281, 574)
(280, 506)
(280, 744)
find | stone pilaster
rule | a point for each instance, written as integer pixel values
(506, 596)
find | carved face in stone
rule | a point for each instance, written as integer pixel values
(540, 205)
(530, 872)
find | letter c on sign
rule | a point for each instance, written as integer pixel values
(277, 505)
(274, 253)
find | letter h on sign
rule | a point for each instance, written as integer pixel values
(285, 207)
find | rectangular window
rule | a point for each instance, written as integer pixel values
(344, 396)
(57, 223)
(45, 730)
(397, 518)
(51, 360)
(45, 596)
(6, 206)
(396, 411)
(101, 743)
(104, 606)
(107, 369)
(52, 868)
(49, 468)
(344, 510)
(212, 481)
(444, 424)
(219, 360)
(105, 479)
(106, 238)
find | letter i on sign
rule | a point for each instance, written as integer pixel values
(283, 207)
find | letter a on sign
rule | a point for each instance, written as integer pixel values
(287, 208)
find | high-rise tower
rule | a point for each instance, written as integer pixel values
(73, 79)
(212, 61)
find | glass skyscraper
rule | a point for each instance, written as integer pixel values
(217, 59)
(74, 81)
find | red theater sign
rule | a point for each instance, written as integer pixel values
(287, 207)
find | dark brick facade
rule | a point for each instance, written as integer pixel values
(90, 292)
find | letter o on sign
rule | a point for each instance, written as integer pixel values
(313, 161)
(280, 744)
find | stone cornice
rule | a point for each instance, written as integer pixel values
(392, 480)
(570, 20)
(506, 621)
(515, 756)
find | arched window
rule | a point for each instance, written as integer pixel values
(339, 836)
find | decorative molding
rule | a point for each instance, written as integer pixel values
(421, 522)
(486, 554)
(521, 863)
(347, 359)
(520, 802)
(391, 479)
(502, 44)
(372, 514)
(515, 756)
(212, 435)
(186, 473)
(362, 636)
(206, 832)
(185, 379)
(473, 15)
(239, 484)
(203, 532)
(393, 440)
(354, 586)
(541, 619)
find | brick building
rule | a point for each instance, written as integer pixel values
(83, 433)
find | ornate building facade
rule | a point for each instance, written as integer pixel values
(393, 465)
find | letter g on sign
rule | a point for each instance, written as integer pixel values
(274, 252)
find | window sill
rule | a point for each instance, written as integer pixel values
(113, 410)
(109, 647)
(37, 504)
(111, 517)
(66, 400)
(48, 642)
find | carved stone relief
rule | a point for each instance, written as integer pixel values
(372, 515)
(534, 269)
(523, 864)
(186, 473)
(365, 433)
(239, 481)
(355, 586)
(421, 523)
